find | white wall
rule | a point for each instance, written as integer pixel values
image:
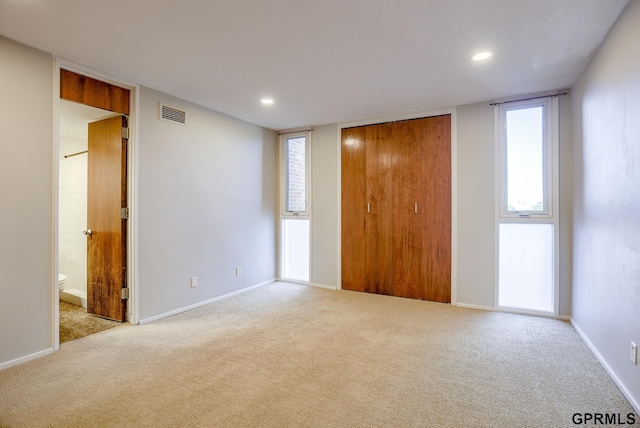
(206, 204)
(324, 182)
(606, 268)
(26, 217)
(72, 214)
(476, 202)
(566, 202)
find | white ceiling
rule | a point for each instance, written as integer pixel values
(323, 61)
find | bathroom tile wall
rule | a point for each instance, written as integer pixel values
(73, 214)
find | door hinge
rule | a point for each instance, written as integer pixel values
(124, 213)
(125, 133)
(125, 293)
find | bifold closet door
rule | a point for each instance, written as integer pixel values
(407, 141)
(366, 209)
(379, 217)
(436, 216)
(422, 209)
(396, 208)
(354, 209)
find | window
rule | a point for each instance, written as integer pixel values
(527, 225)
(526, 266)
(526, 149)
(295, 222)
(295, 246)
(296, 174)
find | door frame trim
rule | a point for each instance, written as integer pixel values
(132, 187)
(454, 187)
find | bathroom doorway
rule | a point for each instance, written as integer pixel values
(92, 226)
(72, 214)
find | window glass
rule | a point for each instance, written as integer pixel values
(295, 240)
(525, 160)
(526, 274)
(296, 175)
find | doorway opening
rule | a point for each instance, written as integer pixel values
(92, 206)
(72, 220)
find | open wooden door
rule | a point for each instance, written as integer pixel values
(106, 219)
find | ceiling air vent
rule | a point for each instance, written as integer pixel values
(173, 115)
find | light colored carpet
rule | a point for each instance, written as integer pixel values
(286, 355)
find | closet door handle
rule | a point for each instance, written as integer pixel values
(368, 208)
(415, 208)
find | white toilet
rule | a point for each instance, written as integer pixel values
(61, 280)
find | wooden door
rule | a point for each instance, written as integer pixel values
(367, 162)
(107, 195)
(378, 220)
(436, 217)
(354, 209)
(406, 243)
(397, 238)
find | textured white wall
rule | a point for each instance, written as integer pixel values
(566, 204)
(324, 182)
(606, 268)
(476, 202)
(26, 217)
(206, 204)
(72, 214)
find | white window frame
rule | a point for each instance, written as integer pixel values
(550, 150)
(552, 188)
(283, 174)
(289, 215)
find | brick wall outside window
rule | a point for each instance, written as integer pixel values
(296, 174)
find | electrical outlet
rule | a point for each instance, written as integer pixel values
(194, 281)
(238, 271)
(634, 353)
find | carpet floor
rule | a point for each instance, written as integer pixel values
(286, 355)
(75, 322)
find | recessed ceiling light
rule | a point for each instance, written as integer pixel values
(266, 101)
(481, 56)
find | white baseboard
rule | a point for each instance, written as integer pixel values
(308, 284)
(612, 374)
(25, 359)
(205, 302)
(513, 311)
(328, 287)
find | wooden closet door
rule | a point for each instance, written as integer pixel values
(388, 247)
(378, 220)
(436, 217)
(406, 243)
(354, 209)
